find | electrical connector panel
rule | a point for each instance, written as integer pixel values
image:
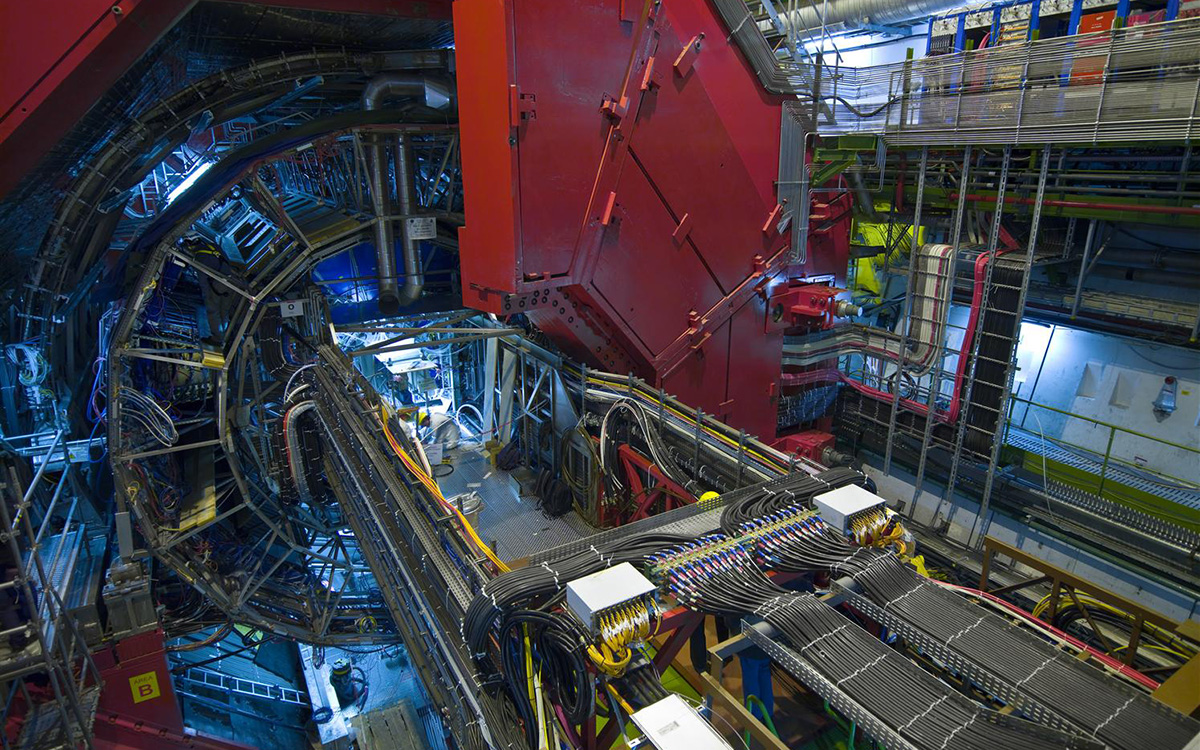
(595, 594)
(841, 507)
(673, 724)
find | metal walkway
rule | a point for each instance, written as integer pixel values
(514, 520)
(1033, 443)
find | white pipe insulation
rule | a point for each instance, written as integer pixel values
(926, 324)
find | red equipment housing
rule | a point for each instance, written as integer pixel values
(619, 163)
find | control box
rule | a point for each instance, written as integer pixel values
(593, 595)
(673, 724)
(841, 507)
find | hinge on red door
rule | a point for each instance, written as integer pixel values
(614, 109)
(696, 330)
(521, 107)
(609, 204)
(683, 63)
(682, 229)
(771, 226)
(650, 78)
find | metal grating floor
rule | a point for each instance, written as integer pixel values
(1032, 443)
(397, 727)
(510, 519)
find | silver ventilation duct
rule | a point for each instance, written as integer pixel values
(840, 15)
(437, 96)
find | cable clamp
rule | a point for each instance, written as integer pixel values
(552, 572)
(766, 605)
(1114, 715)
(823, 636)
(1034, 673)
(910, 592)
(860, 670)
(965, 630)
(946, 742)
(869, 565)
(847, 558)
(924, 713)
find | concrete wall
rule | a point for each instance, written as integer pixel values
(1114, 380)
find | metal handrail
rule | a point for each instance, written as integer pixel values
(1113, 430)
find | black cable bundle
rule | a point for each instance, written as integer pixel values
(716, 575)
(1113, 712)
(797, 488)
(554, 496)
(994, 352)
(642, 684)
(912, 702)
(655, 447)
(523, 598)
(557, 640)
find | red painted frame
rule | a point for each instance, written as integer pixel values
(635, 465)
(620, 161)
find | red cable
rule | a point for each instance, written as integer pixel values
(1109, 661)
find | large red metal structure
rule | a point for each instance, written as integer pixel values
(620, 161)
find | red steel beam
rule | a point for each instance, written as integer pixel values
(59, 57)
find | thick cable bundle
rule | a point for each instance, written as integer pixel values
(716, 575)
(914, 703)
(799, 488)
(658, 450)
(515, 611)
(1112, 712)
(556, 638)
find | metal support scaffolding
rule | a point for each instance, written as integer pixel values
(906, 323)
(972, 368)
(981, 520)
(57, 648)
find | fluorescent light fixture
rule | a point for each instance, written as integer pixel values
(188, 181)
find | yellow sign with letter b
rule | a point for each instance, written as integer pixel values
(144, 686)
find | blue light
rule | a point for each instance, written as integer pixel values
(188, 181)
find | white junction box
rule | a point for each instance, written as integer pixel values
(842, 506)
(591, 595)
(673, 724)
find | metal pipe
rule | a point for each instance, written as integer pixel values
(439, 97)
(1083, 267)
(414, 278)
(1166, 260)
(1131, 208)
(850, 14)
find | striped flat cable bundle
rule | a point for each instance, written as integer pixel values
(1099, 706)
(717, 575)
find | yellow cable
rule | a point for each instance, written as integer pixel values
(620, 701)
(728, 440)
(432, 486)
(529, 672)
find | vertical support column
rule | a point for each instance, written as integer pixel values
(981, 520)
(965, 393)
(906, 315)
(1083, 267)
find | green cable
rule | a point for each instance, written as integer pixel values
(751, 702)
